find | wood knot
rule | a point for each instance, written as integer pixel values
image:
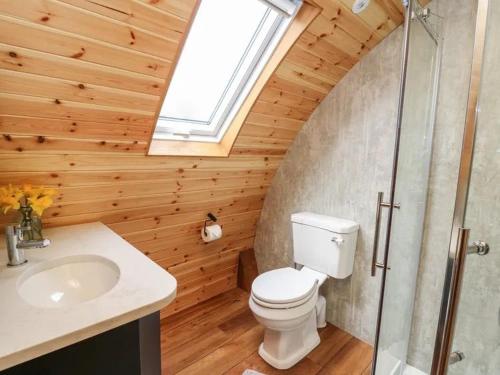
(79, 54)
(40, 139)
(13, 54)
(7, 137)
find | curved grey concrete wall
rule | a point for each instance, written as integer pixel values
(336, 165)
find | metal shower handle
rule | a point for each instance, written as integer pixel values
(378, 215)
(376, 235)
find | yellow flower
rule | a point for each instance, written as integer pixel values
(39, 198)
(39, 204)
(10, 198)
(31, 191)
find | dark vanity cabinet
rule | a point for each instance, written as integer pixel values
(130, 349)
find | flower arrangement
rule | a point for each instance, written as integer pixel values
(30, 201)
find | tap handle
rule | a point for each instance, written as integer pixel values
(16, 230)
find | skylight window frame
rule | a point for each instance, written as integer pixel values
(305, 14)
(175, 129)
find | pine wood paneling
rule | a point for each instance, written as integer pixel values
(41, 144)
(79, 84)
(157, 16)
(64, 17)
(70, 129)
(23, 162)
(20, 33)
(46, 64)
(20, 83)
(25, 105)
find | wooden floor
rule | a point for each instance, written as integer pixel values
(220, 336)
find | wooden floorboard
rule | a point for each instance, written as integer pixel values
(221, 336)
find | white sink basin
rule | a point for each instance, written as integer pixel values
(67, 281)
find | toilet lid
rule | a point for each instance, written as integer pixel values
(283, 285)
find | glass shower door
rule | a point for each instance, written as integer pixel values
(477, 329)
(407, 203)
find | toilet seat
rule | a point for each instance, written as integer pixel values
(283, 288)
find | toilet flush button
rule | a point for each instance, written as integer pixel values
(337, 240)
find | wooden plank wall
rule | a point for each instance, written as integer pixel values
(79, 84)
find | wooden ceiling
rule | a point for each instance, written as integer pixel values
(80, 81)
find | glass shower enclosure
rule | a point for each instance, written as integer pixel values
(399, 261)
(467, 338)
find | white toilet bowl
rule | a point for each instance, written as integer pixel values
(284, 301)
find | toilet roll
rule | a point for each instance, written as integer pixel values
(214, 232)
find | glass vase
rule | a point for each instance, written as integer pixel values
(32, 223)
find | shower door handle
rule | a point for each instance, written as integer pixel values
(378, 217)
(376, 235)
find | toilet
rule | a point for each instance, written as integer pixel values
(286, 301)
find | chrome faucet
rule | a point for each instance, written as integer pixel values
(16, 244)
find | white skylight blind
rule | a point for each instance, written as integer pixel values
(228, 45)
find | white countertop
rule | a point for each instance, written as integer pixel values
(27, 331)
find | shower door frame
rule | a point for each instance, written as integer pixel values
(457, 253)
(391, 205)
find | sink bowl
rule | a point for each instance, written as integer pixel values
(67, 281)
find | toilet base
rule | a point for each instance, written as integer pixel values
(283, 349)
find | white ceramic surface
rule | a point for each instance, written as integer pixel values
(325, 244)
(283, 285)
(106, 283)
(290, 333)
(68, 281)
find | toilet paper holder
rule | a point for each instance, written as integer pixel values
(210, 217)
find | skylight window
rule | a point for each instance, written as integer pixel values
(227, 47)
